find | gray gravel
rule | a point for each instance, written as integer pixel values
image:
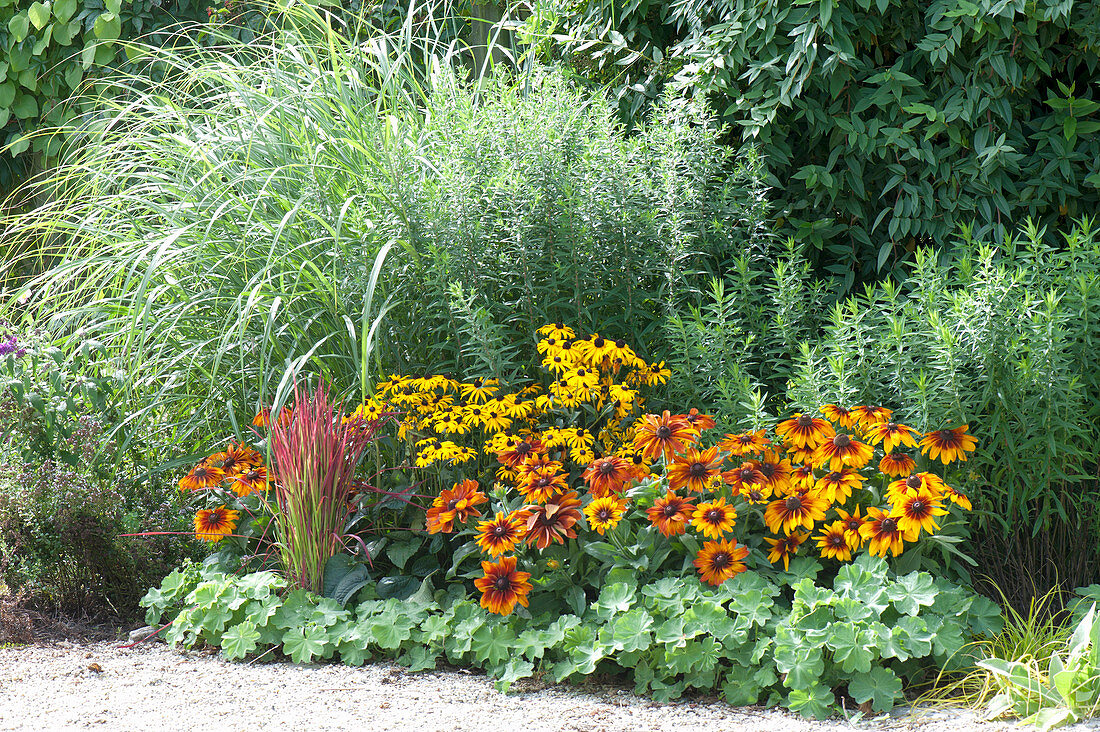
(154, 687)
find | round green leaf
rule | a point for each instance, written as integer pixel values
(18, 26)
(39, 14)
(880, 687)
(64, 9)
(107, 27)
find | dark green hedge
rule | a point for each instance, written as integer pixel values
(886, 123)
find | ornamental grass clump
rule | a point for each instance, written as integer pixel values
(315, 455)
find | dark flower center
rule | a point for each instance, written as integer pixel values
(793, 503)
(842, 440)
(805, 420)
(580, 432)
(598, 342)
(620, 343)
(852, 524)
(477, 383)
(913, 482)
(888, 525)
(834, 477)
(604, 514)
(747, 475)
(768, 469)
(500, 530)
(452, 503)
(559, 326)
(252, 475)
(917, 506)
(637, 459)
(542, 482)
(670, 510)
(697, 470)
(836, 540)
(721, 560)
(607, 467)
(664, 432)
(892, 426)
(523, 448)
(502, 584)
(715, 516)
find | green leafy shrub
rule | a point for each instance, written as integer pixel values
(1002, 338)
(753, 640)
(529, 198)
(50, 47)
(885, 124)
(72, 483)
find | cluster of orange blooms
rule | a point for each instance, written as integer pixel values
(237, 468)
(801, 481)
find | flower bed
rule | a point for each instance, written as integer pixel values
(577, 516)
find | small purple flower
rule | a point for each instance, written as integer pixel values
(11, 345)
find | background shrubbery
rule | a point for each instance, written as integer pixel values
(886, 124)
(49, 48)
(74, 480)
(261, 251)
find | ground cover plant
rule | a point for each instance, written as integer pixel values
(754, 640)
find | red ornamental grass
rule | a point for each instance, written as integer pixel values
(315, 457)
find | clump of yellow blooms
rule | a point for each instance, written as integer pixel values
(444, 418)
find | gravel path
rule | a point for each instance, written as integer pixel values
(153, 687)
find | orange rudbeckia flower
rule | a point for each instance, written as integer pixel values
(502, 586)
(948, 445)
(670, 514)
(717, 561)
(665, 435)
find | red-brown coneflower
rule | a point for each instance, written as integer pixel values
(502, 586)
(553, 520)
(694, 469)
(670, 514)
(717, 561)
(948, 445)
(665, 435)
(454, 506)
(211, 524)
(805, 430)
